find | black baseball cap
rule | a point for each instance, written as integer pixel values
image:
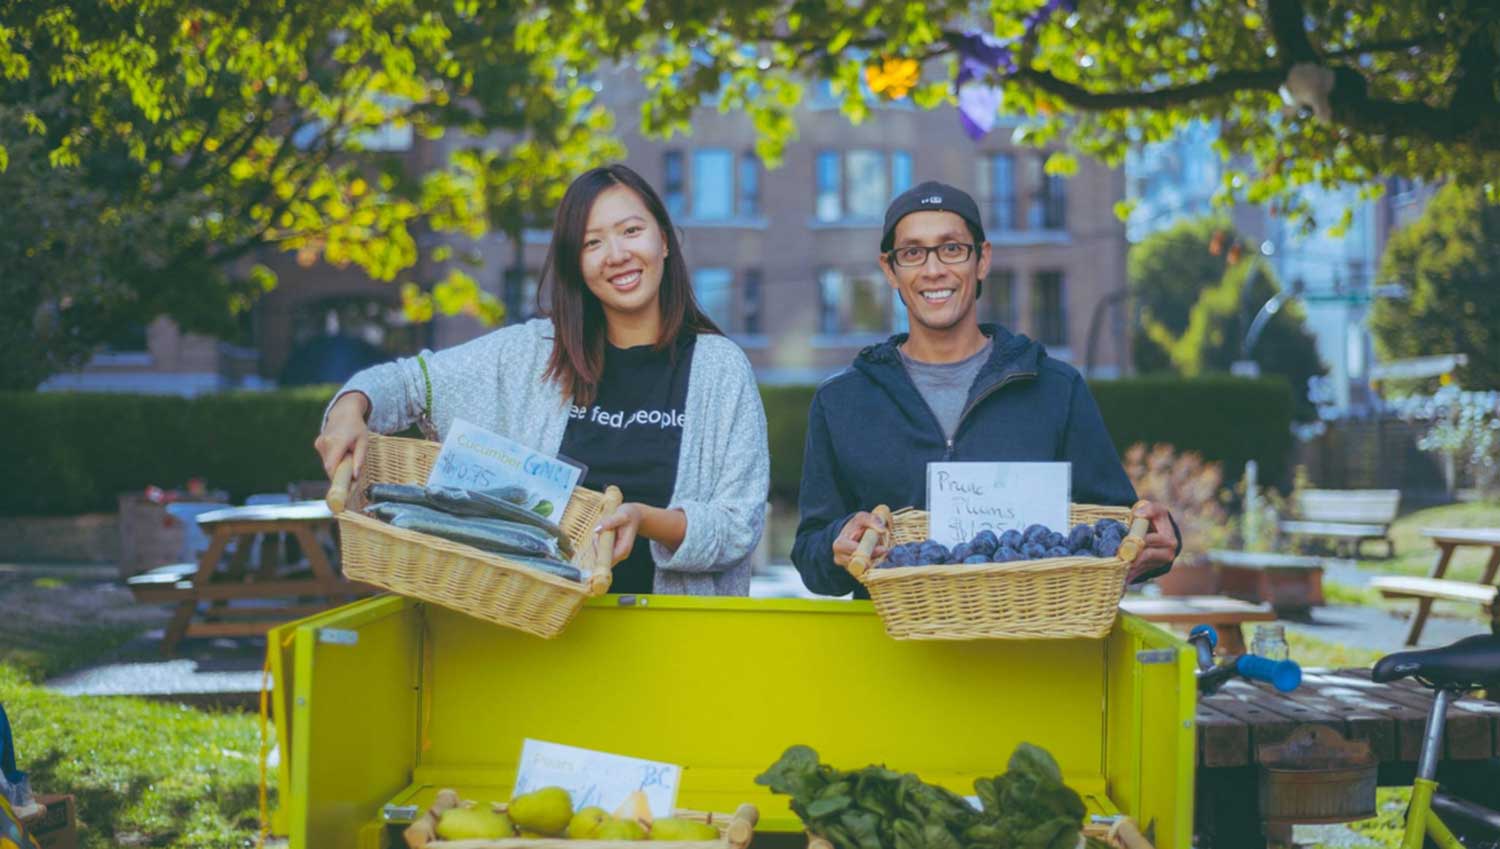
(927, 197)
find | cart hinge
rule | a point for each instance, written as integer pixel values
(399, 813)
(338, 636)
(1156, 656)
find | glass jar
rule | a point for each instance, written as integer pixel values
(1270, 642)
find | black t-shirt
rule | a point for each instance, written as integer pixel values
(631, 436)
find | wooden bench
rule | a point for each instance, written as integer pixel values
(1437, 587)
(1227, 615)
(1347, 516)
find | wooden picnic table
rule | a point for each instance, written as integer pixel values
(203, 591)
(1234, 722)
(1449, 540)
(1227, 615)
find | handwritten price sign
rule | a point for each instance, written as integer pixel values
(966, 498)
(475, 458)
(597, 778)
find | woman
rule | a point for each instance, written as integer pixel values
(627, 376)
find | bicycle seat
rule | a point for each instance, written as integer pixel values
(1468, 664)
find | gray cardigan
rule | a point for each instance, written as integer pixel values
(723, 472)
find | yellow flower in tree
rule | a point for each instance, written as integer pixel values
(894, 77)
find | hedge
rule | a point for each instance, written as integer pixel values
(74, 453)
(1224, 418)
(69, 453)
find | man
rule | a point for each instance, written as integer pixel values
(951, 390)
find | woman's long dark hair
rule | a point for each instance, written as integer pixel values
(577, 360)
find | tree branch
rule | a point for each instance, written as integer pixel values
(1292, 43)
(1397, 45)
(1228, 82)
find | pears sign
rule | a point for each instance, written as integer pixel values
(597, 779)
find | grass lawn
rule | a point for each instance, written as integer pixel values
(1415, 554)
(145, 774)
(49, 625)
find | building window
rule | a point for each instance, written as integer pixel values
(900, 172)
(749, 186)
(713, 184)
(998, 305)
(858, 184)
(869, 188)
(830, 204)
(830, 294)
(1049, 312)
(852, 303)
(672, 182)
(1049, 206)
(713, 288)
(997, 180)
(750, 302)
(518, 293)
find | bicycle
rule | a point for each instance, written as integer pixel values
(1434, 817)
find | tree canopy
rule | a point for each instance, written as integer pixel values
(1407, 88)
(1198, 287)
(191, 136)
(1449, 263)
(154, 150)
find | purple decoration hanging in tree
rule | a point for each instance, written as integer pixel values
(978, 106)
(981, 54)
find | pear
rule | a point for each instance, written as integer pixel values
(585, 824)
(672, 828)
(475, 823)
(618, 829)
(545, 811)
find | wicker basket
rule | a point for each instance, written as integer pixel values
(1056, 598)
(458, 576)
(735, 832)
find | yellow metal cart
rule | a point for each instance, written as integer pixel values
(388, 700)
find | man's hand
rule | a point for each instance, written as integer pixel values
(1161, 541)
(848, 539)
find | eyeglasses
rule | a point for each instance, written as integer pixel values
(948, 253)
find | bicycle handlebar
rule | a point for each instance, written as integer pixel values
(1284, 675)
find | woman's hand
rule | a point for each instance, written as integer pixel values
(633, 519)
(626, 523)
(344, 433)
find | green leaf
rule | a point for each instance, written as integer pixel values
(1061, 163)
(826, 806)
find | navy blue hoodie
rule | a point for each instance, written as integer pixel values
(870, 436)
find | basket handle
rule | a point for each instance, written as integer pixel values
(601, 559)
(1128, 835)
(742, 826)
(1134, 541)
(424, 829)
(338, 490)
(859, 561)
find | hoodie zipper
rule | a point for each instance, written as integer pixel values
(1010, 378)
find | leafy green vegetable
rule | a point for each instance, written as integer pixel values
(1028, 807)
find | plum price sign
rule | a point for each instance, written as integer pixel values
(966, 498)
(597, 778)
